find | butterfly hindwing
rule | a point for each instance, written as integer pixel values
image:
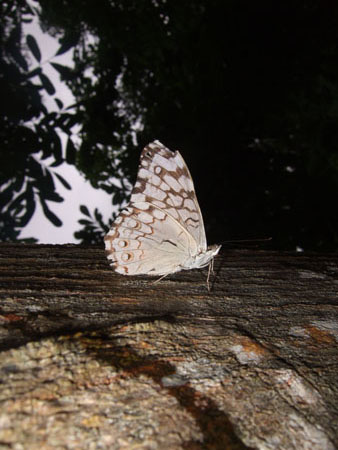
(147, 242)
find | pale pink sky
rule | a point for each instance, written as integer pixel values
(82, 192)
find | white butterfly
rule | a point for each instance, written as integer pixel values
(161, 231)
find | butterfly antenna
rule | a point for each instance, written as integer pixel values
(247, 240)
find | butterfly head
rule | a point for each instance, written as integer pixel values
(212, 251)
(204, 257)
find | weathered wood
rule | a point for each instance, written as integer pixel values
(92, 359)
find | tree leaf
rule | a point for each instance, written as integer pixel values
(33, 46)
(57, 148)
(18, 183)
(70, 152)
(98, 215)
(108, 188)
(64, 71)
(30, 207)
(53, 197)
(27, 20)
(7, 194)
(46, 83)
(74, 119)
(16, 202)
(63, 181)
(85, 222)
(48, 181)
(66, 44)
(59, 103)
(49, 214)
(34, 72)
(35, 169)
(20, 59)
(84, 210)
(14, 47)
(23, 201)
(56, 163)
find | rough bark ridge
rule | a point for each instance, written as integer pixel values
(92, 359)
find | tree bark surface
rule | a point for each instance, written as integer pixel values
(92, 359)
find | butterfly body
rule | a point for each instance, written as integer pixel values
(203, 258)
(161, 231)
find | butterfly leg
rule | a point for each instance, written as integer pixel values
(161, 278)
(212, 266)
(209, 270)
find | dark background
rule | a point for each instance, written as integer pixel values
(247, 91)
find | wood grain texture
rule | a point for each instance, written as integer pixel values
(93, 359)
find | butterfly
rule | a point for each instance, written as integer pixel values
(161, 230)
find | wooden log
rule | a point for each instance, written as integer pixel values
(93, 359)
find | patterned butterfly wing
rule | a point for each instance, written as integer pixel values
(164, 180)
(161, 231)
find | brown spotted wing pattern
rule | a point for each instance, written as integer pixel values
(161, 231)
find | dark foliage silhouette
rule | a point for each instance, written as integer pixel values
(246, 91)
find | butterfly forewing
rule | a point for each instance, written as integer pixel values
(164, 180)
